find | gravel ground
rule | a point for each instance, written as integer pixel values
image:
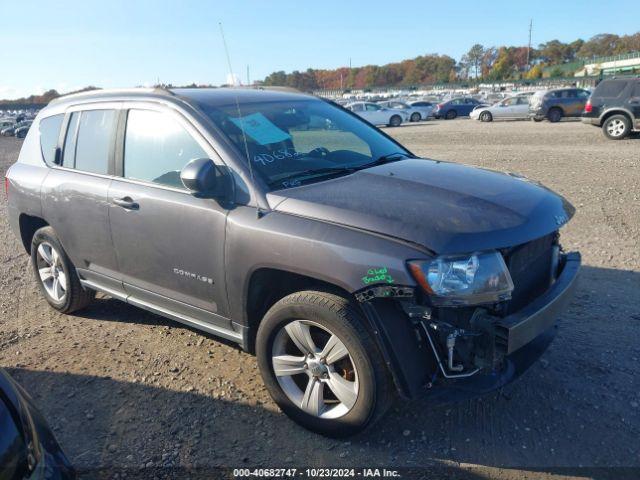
(122, 387)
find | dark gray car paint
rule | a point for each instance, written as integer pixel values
(334, 231)
(446, 207)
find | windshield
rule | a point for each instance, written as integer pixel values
(290, 143)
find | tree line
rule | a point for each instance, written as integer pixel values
(479, 63)
(37, 100)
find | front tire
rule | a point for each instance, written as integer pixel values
(55, 274)
(486, 117)
(321, 365)
(395, 121)
(616, 127)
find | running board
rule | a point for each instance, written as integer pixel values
(163, 312)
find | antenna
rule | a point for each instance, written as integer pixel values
(244, 136)
(529, 47)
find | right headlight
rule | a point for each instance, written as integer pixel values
(474, 279)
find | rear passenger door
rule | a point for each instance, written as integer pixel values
(169, 243)
(571, 103)
(74, 193)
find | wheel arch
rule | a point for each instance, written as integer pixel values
(28, 225)
(407, 361)
(616, 111)
(267, 285)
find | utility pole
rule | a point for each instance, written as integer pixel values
(529, 47)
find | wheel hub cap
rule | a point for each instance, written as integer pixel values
(314, 369)
(51, 273)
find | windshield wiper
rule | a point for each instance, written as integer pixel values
(390, 157)
(312, 172)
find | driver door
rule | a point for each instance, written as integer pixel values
(505, 110)
(169, 244)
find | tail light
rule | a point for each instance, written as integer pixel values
(439, 106)
(588, 108)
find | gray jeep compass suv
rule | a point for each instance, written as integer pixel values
(354, 270)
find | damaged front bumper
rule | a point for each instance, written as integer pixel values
(503, 347)
(518, 339)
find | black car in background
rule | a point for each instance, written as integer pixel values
(615, 106)
(28, 449)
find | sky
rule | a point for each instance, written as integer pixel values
(68, 45)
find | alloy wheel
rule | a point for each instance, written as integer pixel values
(51, 273)
(616, 128)
(314, 369)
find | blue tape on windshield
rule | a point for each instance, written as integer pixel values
(258, 127)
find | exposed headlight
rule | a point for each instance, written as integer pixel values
(474, 279)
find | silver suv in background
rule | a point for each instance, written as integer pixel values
(355, 271)
(554, 105)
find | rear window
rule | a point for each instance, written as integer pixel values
(94, 140)
(610, 88)
(49, 133)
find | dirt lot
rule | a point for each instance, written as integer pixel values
(122, 387)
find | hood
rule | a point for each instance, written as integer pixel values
(445, 207)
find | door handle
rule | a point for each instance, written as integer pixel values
(126, 202)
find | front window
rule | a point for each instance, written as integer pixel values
(290, 143)
(156, 147)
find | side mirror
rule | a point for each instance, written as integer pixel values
(202, 178)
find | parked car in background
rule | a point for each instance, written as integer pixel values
(28, 448)
(21, 132)
(426, 108)
(4, 123)
(8, 131)
(11, 130)
(615, 106)
(512, 108)
(378, 115)
(415, 114)
(456, 107)
(556, 104)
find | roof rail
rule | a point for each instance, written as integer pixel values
(163, 88)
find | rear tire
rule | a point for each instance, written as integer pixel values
(56, 275)
(395, 121)
(616, 127)
(486, 117)
(357, 367)
(554, 115)
(415, 117)
(451, 114)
